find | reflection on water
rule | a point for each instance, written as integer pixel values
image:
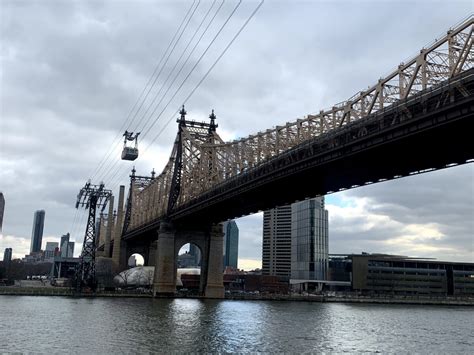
(101, 325)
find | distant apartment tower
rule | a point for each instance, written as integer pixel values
(70, 250)
(295, 240)
(67, 248)
(37, 232)
(50, 250)
(309, 240)
(231, 244)
(2, 210)
(7, 255)
(276, 248)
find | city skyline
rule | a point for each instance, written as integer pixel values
(428, 215)
(63, 248)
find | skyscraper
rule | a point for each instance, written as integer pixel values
(49, 250)
(66, 247)
(7, 255)
(37, 232)
(2, 210)
(231, 244)
(309, 240)
(276, 249)
(295, 240)
(70, 250)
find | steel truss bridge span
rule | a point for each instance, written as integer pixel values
(416, 119)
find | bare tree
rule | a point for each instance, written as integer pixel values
(125, 277)
(145, 276)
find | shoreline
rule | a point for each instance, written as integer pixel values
(415, 300)
(385, 299)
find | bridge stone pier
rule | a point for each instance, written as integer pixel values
(208, 238)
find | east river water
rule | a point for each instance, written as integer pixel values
(126, 325)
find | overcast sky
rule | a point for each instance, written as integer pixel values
(72, 71)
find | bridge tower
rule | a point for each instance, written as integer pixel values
(207, 236)
(122, 249)
(137, 183)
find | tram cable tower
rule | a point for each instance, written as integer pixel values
(90, 197)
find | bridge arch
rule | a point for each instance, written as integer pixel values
(189, 271)
(193, 249)
(198, 241)
(140, 250)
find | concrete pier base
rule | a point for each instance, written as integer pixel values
(152, 250)
(215, 282)
(164, 282)
(210, 241)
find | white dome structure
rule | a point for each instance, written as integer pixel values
(143, 276)
(137, 276)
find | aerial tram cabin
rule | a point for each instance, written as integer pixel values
(130, 152)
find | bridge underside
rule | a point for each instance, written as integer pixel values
(428, 131)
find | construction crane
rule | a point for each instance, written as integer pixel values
(128, 152)
(90, 197)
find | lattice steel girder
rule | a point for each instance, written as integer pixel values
(425, 132)
(201, 161)
(89, 246)
(91, 197)
(137, 184)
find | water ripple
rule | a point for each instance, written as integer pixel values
(122, 326)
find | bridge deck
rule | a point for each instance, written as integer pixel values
(428, 131)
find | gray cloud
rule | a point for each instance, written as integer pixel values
(71, 71)
(426, 215)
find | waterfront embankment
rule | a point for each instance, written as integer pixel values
(64, 291)
(375, 299)
(340, 298)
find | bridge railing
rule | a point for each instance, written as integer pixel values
(445, 58)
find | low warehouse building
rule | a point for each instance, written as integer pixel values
(379, 273)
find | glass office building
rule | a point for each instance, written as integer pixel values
(309, 240)
(231, 244)
(67, 247)
(37, 232)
